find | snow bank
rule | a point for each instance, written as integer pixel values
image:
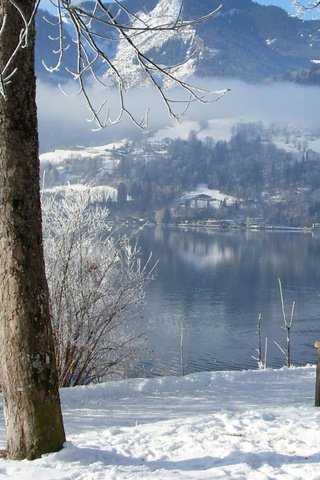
(250, 425)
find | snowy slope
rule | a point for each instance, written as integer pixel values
(82, 166)
(83, 153)
(250, 425)
(166, 13)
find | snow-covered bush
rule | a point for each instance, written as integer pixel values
(96, 284)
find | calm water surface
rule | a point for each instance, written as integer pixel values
(210, 288)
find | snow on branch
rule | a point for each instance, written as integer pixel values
(305, 5)
(8, 71)
(99, 28)
(302, 7)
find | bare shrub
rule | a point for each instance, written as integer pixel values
(97, 284)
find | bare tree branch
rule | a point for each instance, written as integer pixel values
(94, 26)
(303, 7)
(8, 70)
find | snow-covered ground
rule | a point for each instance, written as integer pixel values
(250, 425)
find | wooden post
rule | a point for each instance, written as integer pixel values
(317, 399)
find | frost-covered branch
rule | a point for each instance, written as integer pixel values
(9, 70)
(262, 357)
(305, 5)
(302, 7)
(98, 27)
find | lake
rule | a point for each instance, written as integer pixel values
(202, 308)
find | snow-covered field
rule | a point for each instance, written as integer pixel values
(250, 425)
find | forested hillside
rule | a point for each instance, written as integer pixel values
(247, 41)
(278, 185)
(273, 175)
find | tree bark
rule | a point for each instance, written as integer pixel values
(27, 360)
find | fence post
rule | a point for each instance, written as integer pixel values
(317, 398)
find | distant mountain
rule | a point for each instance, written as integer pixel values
(247, 41)
(255, 43)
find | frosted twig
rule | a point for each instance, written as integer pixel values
(261, 358)
(5, 17)
(302, 6)
(22, 42)
(24, 33)
(95, 22)
(287, 326)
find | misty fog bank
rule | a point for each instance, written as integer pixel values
(63, 120)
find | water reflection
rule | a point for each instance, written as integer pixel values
(211, 287)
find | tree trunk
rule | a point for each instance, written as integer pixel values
(28, 369)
